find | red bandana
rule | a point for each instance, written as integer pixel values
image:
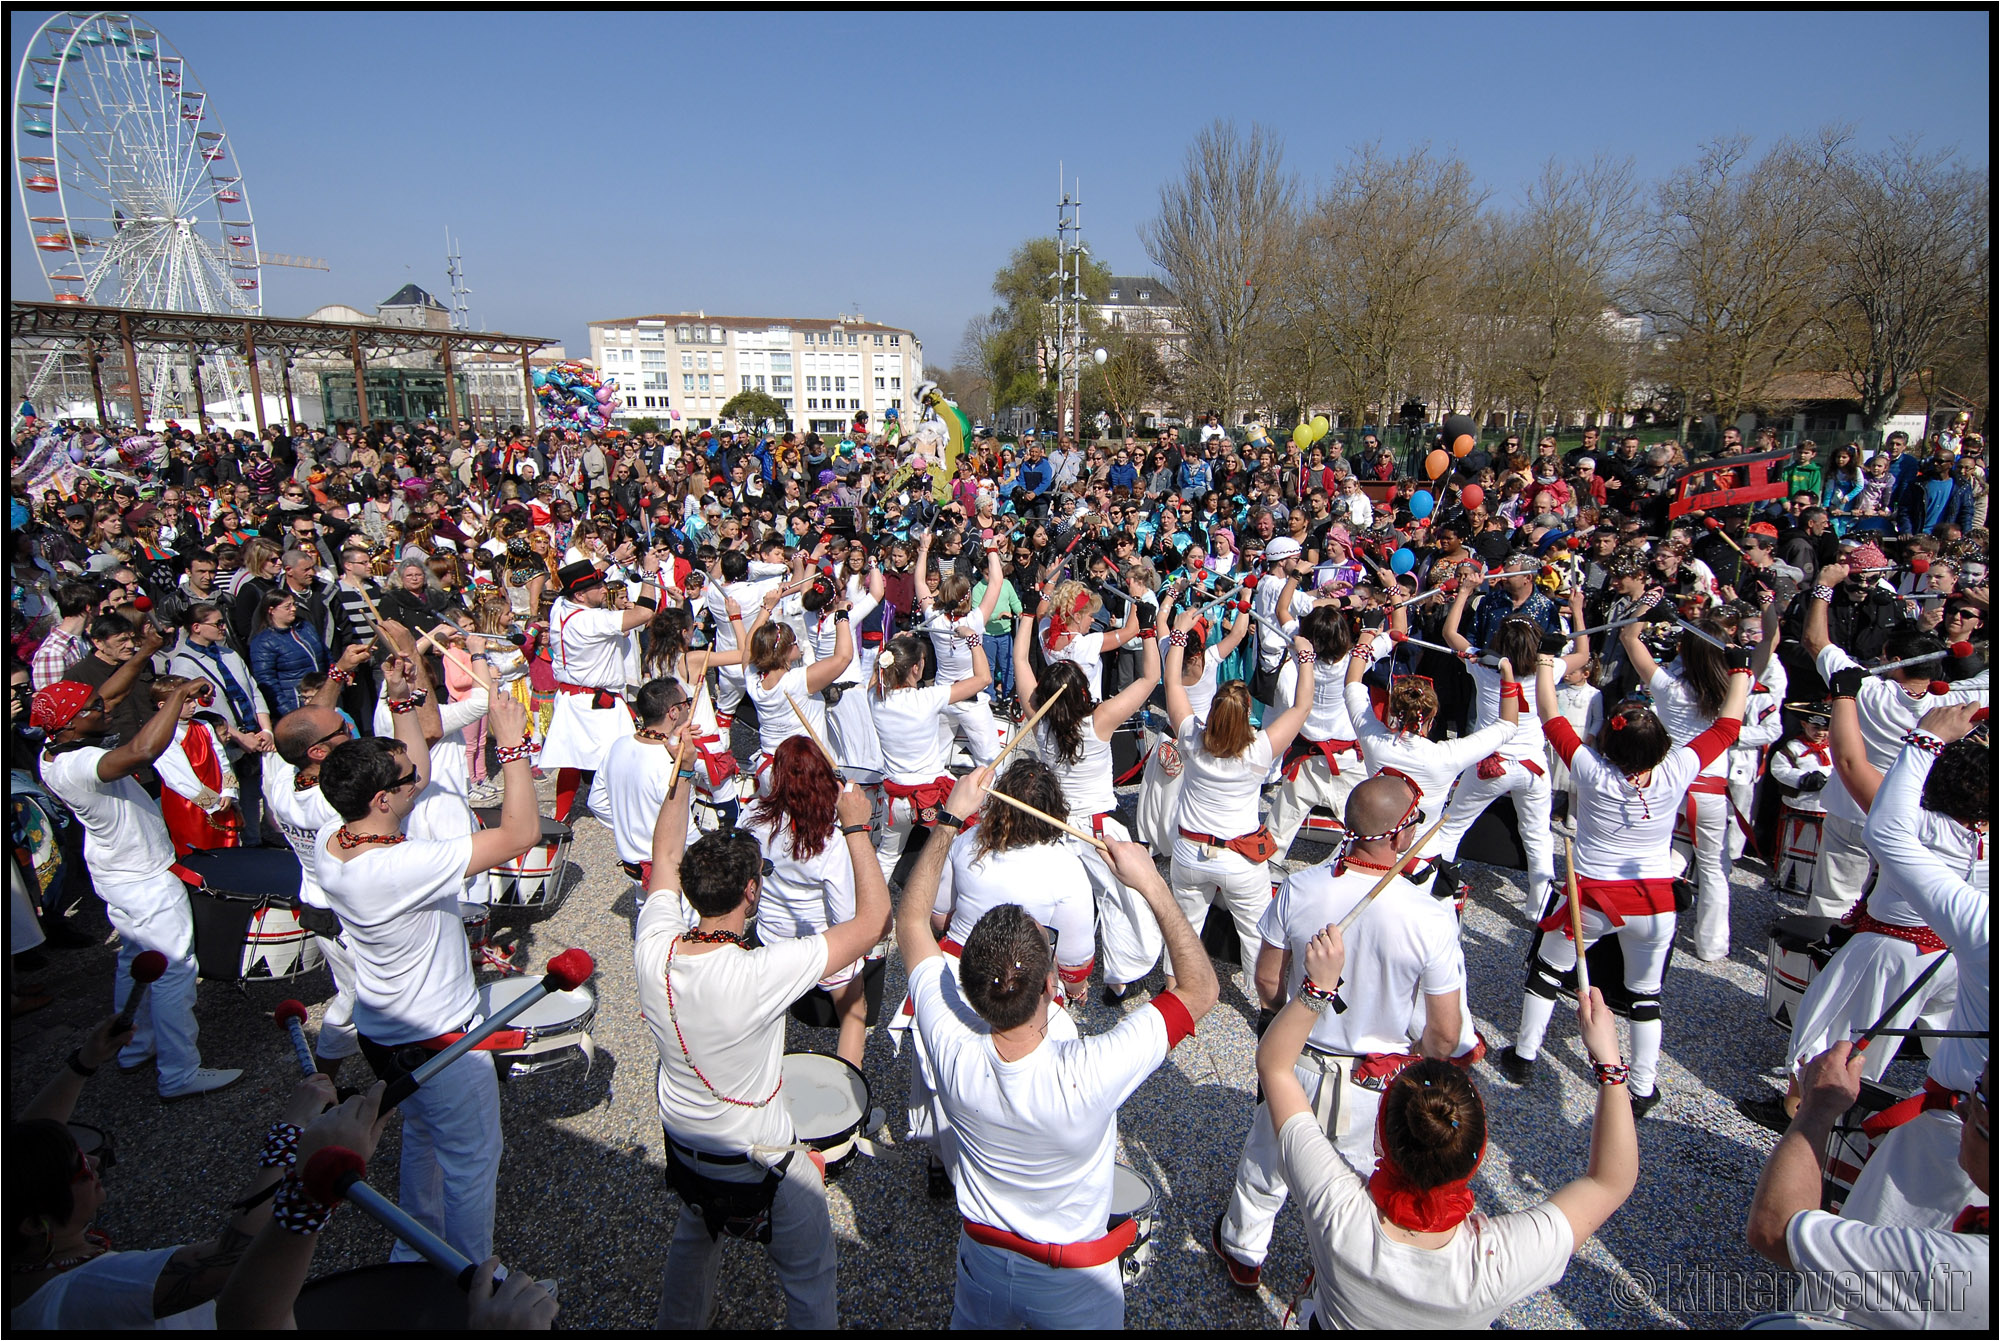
(1427, 1210)
(1974, 1220)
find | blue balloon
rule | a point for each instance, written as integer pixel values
(1402, 561)
(1421, 504)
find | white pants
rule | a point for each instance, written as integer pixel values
(451, 1156)
(1842, 870)
(973, 722)
(1201, 875)
(899, 819)
(802, 1252)
(1645, 942)
(153, 914)
(1856, 986)
(729, 690)
(1260, 1189)
(1710, 864)
(1742, 798)
(1129, 935)
(1913, 1179)
(1314, 785)
(1531, 808)
(337, 1036)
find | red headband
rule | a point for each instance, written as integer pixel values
(1427, 1210)
(57, 705)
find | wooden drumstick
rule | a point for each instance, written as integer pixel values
(687, 733)
(1576, 922)
(806, 722)
(1069, 829)
(453, 654)
(1021, 731)
(1395, 869)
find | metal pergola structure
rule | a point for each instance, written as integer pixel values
(93, 333)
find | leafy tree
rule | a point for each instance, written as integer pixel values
(636, 426)
(1014, 345)
(754, 407)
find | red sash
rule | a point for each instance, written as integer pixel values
(1617, 900)
(192, 828)
(1926, 940)
(1931, 1096)
(1301, 749)
(1089, 1253)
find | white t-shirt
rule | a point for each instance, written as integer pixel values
(1891, 1278)
(1623, 832)
(748, 595)
(954, 658)
(1037, 1137)
(398, 907)
(777, 719)
(906, 722)
(110, 1293)
(1047, 880)
(1404, 945)
(1526, 741)
(1085, 652)
(1219, 796)
(1887, 715)
(589, 646)
(300, 816)
(1432, 764)
(124, 837)
(1087, 784)
(730, 1006)
(1201, 694)
(1674, 704)
(801, 896)
(1264, 601)
(630, 785)
(1367, 1281)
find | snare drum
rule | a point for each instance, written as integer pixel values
(402, 1297)
(245, 903)
(530, 887)
(95, 1142)
(1848, 1147)
(1798, 846)
(555, 1030)
(828, 1099)
(1132, 1198)
(1800, 1322)
(1796, 952)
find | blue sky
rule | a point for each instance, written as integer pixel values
(801, 164)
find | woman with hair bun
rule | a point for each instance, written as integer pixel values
(1404, 1248)
(1201, 676)
(915, 753)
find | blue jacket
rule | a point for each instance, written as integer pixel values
(1903, 470)
(1036, 476)
(1928, 504)
(279, 659)
(1124, 477)
(1194, 475)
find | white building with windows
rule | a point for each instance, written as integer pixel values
(682, 368)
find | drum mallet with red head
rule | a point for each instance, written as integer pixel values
(1400, 638)
(1959, 650)
(334, 1174)
(567, 971)
(146, 969)
(291, 1017)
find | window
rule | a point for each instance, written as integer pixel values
(715, 335)
(702, 378)
(897, 403)
(1145, 295)
(746, 381)
(881, 384)
(895, 340)
(1114, 295)
(684, 334)
(812, 383)
(786, 402)
(701, 360)
(687, 381)
(854, 339)
(687, 359)
(812, 402)
(840, 384)
(895, 384)
(878, 342)
(780, 385)
(653, 358)
(760, 382)
(781, 363)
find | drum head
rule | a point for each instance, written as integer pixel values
(556, 1008)
(1131, 1194)
(825, 1095)
(250, 873)
(401, 1297)
(1799, 1322)
(553, 830)
(1800, 931)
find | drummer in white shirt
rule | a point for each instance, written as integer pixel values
(589, 653)
(1034, 1117)
(716, 1009)
(743, 580)
(638, 772)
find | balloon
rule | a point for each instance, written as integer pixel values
(1463, 444)
(1303, 435)
(1421, 504)
(1402, 561)
(1458, 426)
(1471, 496)
(1436, 464)
(1321, 427)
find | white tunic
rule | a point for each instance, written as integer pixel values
(1087, 783)
(629, 788)
(299, 815)
(777, 719)
(589, 647)
(906, 722)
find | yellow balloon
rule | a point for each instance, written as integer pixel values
(1302, 435)
(1321, 427)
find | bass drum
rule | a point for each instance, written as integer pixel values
(404, 1298)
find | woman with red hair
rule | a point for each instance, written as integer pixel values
(811, 884)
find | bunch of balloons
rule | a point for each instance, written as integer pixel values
(1311, 430)
(576, 395)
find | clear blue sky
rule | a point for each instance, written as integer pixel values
(802, 164)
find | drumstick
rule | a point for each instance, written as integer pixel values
(566, 971)
(687, 731)
(1395, 869)
(806, 722)
(1702, 634)
(452, 653)
(1021, 731)
(334, 1174)
(1576, 922)
(146, 968)
(291, 1017)
(1937, 962)
(1960, 650)
(1716, 527)
(1398, 637)
(1069, 829)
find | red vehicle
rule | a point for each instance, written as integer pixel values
(1729, 482)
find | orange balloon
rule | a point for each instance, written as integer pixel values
(1471, 496)
(1462, 444)
(1436, 464)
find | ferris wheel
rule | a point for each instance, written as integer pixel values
(131, 189)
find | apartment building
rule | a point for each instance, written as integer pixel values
(682, 368)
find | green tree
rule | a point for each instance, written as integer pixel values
(754, 407)
(1013, 346)
(636, 426)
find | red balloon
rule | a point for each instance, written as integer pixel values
(1471, 496)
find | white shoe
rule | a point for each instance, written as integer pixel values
(204, 1080)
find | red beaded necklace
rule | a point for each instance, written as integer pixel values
(709, 938)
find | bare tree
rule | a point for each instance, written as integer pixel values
(1733, 262)
(1910, 269)
(1216, 241)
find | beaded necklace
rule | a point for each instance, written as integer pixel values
(709, 938)
(349, 841)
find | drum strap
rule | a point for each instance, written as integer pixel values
(740, 1210)
(1931, 1096)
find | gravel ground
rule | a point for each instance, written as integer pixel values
(582, 1197)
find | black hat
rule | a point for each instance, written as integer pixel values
(577, 578)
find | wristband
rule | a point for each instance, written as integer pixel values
(281, 1147)
(1610, 1073)
(1147, 632)
(1318, 998)
(75, 1063)
(1178, 638)
(508, 754)
(851, 829)
(646, 602)
(947, 820)
(296, 1209)
(410, 704)
(1305, 658)
(840, 615)
(1923, 740)
(339, 676)
(1822, 593)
